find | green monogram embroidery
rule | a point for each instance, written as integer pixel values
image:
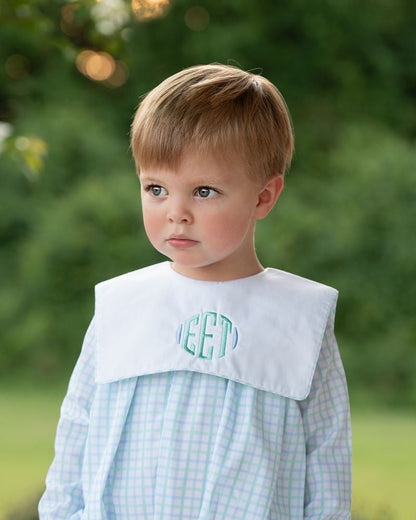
(208, 333)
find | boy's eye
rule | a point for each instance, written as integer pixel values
(204, 192)
(156, 190)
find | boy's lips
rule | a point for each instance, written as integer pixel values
(181, 242)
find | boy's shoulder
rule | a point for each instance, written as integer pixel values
(277, 276)
(137, 275)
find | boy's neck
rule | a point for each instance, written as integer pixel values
(214, 273)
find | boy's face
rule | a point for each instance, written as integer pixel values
(202, 215)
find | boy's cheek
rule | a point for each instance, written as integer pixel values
(151, 226)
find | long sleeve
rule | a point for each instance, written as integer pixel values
(326, 418)
(63, 498)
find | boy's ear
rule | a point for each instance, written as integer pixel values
(268, 195)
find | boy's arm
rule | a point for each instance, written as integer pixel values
(63, 498)
(326, 418)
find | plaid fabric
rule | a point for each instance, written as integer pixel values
(191, 446)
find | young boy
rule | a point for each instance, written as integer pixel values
(208, 387)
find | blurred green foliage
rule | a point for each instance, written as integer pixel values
(69, 199)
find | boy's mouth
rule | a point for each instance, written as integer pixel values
(181, 242)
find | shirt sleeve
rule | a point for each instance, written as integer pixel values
(326, 418)
(63, 497)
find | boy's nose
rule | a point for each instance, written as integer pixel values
(179, 214)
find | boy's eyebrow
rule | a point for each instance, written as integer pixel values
(206, 181)
(149, 178)
(196, 181)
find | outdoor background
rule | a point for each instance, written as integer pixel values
(71, 76)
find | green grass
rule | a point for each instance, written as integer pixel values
(28, 424)
(384, 473)
(384, 454)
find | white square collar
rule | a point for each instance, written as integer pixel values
(265, 330)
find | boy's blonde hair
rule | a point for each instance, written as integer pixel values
(214, 109)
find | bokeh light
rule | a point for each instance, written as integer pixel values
(110, 15)
(148, 9)
(6, 130)
(98, 66)
(22, 143)
(197, 18)
(101, 66)
(119, 76)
